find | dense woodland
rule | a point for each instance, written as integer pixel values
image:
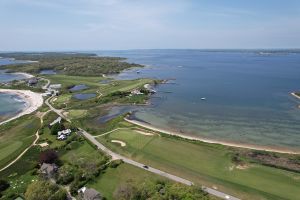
(68, 63)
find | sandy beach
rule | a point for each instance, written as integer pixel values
(231, 144)
(26, 75)
(33, 102)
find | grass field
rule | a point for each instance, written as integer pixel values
(108, 182)
(17, 136)
(75, 114)
(207, 164)
(20, 174)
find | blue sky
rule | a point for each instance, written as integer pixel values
(139, 24)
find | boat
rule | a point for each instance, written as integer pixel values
(203, 98)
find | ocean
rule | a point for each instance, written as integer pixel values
(247, 94)
(10, 105)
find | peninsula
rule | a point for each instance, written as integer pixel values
(67, 135)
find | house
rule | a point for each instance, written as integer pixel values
(58, 120)
(55, 86)
(61, 137)
(32, 81)
(136, 92)
(64, 132)
(46, 94)
(89, 194)
(48, 170)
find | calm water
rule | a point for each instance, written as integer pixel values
(247, 94)
(9, 104)
(48, 72)
(78, 87)
(84, 96)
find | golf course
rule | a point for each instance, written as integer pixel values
(205, 164)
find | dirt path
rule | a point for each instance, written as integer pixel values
(34, 143)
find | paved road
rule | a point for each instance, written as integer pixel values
(153, 170)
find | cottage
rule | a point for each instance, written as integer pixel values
(48, 170)
(89, 194)
(64, 132)
(61, 137)
(55, 86)
(136, 92)
(32, 81)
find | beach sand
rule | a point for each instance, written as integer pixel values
(33, 102)
(26, 75)
(230, 144)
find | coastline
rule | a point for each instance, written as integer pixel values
(26, 75)
(295, 95)
(230, 144)
(33, 102)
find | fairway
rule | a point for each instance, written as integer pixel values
(16, 136)
(206, 164)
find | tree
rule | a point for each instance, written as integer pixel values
(3, 185)
(48, 156)
(56, 127)
(44, 190)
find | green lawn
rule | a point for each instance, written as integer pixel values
(206, 164)
(75, 114)
(81, 150)
(16, 136)
(20, 174)
(66, 80)
(108, 182)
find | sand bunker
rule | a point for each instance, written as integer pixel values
(43, 144)
(123, 144)
(144, 133)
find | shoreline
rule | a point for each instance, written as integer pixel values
(295, 95)
(33, 102)
(229, 144)
(26, 75)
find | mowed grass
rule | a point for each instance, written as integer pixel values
(17, 136)
(75, 114)
(79, 151)
(66, 80)
(112, 178)
(124, 85)
(206, 164)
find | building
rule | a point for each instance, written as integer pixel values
(58, 120)
(62, 135)
(55, 86)
(32, 81)
(89, 194)
(136, 92)
(48, 170)
(64, 132)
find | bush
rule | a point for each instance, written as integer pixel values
(115, 163)
(3, 185)
(49, 156)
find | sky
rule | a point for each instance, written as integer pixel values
(50, 25)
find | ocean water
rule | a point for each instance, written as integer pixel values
(6, 77)
(247, 94)
(10, 105)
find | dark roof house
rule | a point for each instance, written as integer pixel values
(48, 170)
(32, 81)
(89, 194)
